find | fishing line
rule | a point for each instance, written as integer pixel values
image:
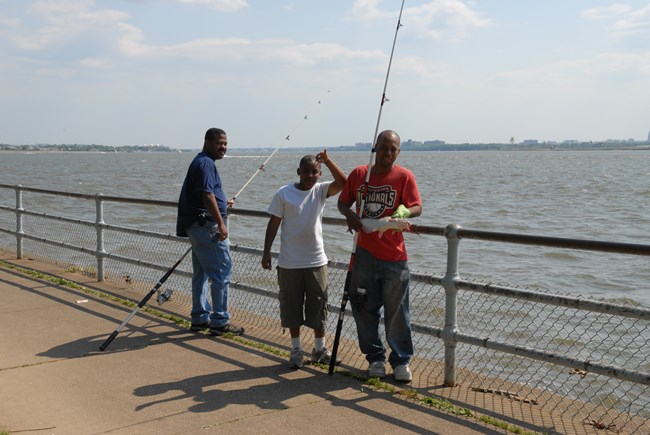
(286, 139)
(346, 286)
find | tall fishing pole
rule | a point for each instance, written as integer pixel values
(165, 296)
(348, 277)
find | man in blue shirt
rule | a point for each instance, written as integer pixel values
(202, 216)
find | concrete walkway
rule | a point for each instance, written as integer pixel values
(158, 378)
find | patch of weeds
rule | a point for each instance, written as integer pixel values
(257, 345)
(446, 405)
(74, 269)
(441, 404)
(379, 385)
(89, 271)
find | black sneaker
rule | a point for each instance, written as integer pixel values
(228, 328)
(198, 327)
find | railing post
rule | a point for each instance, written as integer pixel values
(99, 222)
(451, 296)
(20, 233)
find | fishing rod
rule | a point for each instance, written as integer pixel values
(165, 296)
(162, 298)
(348, 277)
(263, 165)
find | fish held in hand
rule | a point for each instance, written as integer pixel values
(384, 224)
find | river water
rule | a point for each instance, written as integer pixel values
(595, 195)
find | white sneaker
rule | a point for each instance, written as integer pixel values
(377, 369)
(323, 356)
(403, 373)
(296, 358)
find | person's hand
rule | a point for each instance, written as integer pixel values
(353, 221)
(266, 261)
(223, 232)
(401, 212)
(231, 202)
(322, 157)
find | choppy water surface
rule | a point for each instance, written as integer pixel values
(597, 195)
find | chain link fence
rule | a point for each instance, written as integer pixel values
(529, 374)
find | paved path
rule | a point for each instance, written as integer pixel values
(158, 378)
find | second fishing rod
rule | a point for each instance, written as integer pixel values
(361, 206)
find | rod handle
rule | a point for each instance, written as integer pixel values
(109, 340)
(339, 325)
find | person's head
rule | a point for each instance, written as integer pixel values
(309, 172)
(215, 143)
(387, 149)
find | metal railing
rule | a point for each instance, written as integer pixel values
(567, 355)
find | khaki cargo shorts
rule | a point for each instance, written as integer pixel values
(303, 297)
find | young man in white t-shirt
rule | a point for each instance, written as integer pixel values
(297, 209)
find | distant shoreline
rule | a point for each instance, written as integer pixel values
(406, 146)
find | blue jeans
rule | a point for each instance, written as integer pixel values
(210, 262)
(386, 284)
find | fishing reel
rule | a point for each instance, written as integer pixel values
(164, 296)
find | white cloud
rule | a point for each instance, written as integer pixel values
(95, 63)
(446, 19)
(603, 12)
(626, 20)
(618, 63)
(208, 48)
(310, 54)
(65, 21)
(368, 10)
(61, 7)
(426, 70)
(604, 65)
(68, 22)
(220, 5)
(243, 50)
(441, 19)
(9, 22)
(636, 21)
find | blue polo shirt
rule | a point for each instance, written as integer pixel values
(202, 176)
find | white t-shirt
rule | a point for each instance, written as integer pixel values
(301, 231)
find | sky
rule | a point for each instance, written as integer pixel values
(133, 72)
